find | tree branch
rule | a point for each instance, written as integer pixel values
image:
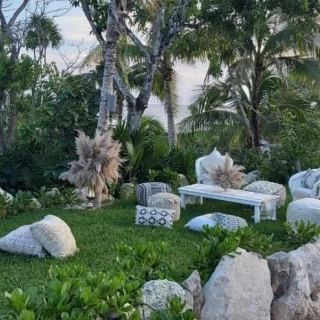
(157, 28)
(137, 42)
(125, 92)
(88, 15)
(176, 23)
(16, 14)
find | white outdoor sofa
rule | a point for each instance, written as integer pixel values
(298, 191)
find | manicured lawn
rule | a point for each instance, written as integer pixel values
(97, 233)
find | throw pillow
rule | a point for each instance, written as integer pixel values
(229, 222)
(310, 178)
(21, 241)
(197, 223)
(214, 158)
(55, 235)
(157, 217)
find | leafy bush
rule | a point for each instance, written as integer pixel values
(4, 206)
(300, 233)
(167, 175)
(22, 202)
(219, 242)
(74, 293)
(174, 311)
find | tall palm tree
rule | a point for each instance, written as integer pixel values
(42, 33)
(256, 64)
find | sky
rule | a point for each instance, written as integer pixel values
(78, 41)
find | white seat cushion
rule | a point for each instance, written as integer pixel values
(156, 217)
(307, 209)
(55, 235)
(197, 223)
(21, 241)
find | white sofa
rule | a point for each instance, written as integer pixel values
(299, 191)
(202, 164)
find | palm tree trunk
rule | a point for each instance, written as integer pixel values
(109, 65)
(254, 122)
(172, 134)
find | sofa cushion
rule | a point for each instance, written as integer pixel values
(55, 236)
(301, 193)
(22, 241)
(310, 178)
(156, 217)
(214, 158)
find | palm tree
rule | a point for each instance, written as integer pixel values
(256, 66)
(42, 33)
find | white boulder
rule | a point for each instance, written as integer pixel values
(158, 293)
(300, 296)
(239, 289)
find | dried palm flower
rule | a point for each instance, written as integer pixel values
(227, 176)
(98, 163)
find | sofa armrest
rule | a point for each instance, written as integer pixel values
(295, 181)
(200, 172)
(315, 190)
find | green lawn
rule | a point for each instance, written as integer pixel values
(97, 233)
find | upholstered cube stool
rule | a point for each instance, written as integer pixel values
(307, 209)
(145, 190)
(166, 201)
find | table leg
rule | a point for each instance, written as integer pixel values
(183, 201)
(257, 210)
(201, 200)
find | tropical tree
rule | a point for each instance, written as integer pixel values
(166, 22)
(42, 33)
(268, 47)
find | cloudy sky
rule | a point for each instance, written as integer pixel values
(78, 41)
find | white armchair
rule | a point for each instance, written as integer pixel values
(299, 191)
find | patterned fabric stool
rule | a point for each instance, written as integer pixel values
(166, 201)
(267, 187)
(145, 190)
(307, 209)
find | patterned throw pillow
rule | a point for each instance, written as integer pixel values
(157, 217)
(21, 241)
(310, 178)
(229, 222)
(197, 223)
(55, 235)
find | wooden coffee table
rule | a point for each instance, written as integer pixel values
(230, 195)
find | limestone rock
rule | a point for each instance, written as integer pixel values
(301, 298)
(81, 194)
(158, 293)
(35, 203)
(252, 176)
(279, 265)
(127, 190)
(239, 289)
(193, 285)
(53, 192)
(183, 181)
(8, 196)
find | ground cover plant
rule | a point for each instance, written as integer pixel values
(99, 233)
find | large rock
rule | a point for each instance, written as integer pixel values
(8, 196)
(252, 176)
(158, 293)
(183, 181)
(279, 265)
(193, 285)
(301, 297)
(239, 289)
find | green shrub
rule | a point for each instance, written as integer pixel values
(300, 233)
(22, 202)
(4, 206)
(219, 242)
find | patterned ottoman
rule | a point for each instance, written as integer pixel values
(154, 217)
(307, 209)
(145, 190)
(267, 187)
(229, 222)
(167, 201)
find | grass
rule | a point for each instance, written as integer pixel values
(97, 233)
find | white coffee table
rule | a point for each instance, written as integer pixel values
(230, 195)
